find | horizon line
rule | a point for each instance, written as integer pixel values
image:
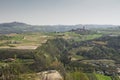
(58, 24)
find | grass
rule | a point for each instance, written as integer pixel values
(91, 76)
(100, 61)
(76, 76)
(31, 76)
(91, 36)
(79, 37)
(76, 57)
(103, 77)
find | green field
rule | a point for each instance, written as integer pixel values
(22, 41)
(33, 40)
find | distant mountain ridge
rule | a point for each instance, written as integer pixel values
(19, 27)
(13, 24)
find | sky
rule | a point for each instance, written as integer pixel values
(66, 12)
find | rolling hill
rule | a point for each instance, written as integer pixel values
(18, 27)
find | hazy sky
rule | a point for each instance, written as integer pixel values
(60, 11)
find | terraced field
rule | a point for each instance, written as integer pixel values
(23, 41)
(33, 40)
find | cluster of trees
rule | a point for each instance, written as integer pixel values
(3, 37)
(49, 53)
(57, 52)
(20, 54)
(12, 71)
(109, 50)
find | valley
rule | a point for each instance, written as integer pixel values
(76, 54)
